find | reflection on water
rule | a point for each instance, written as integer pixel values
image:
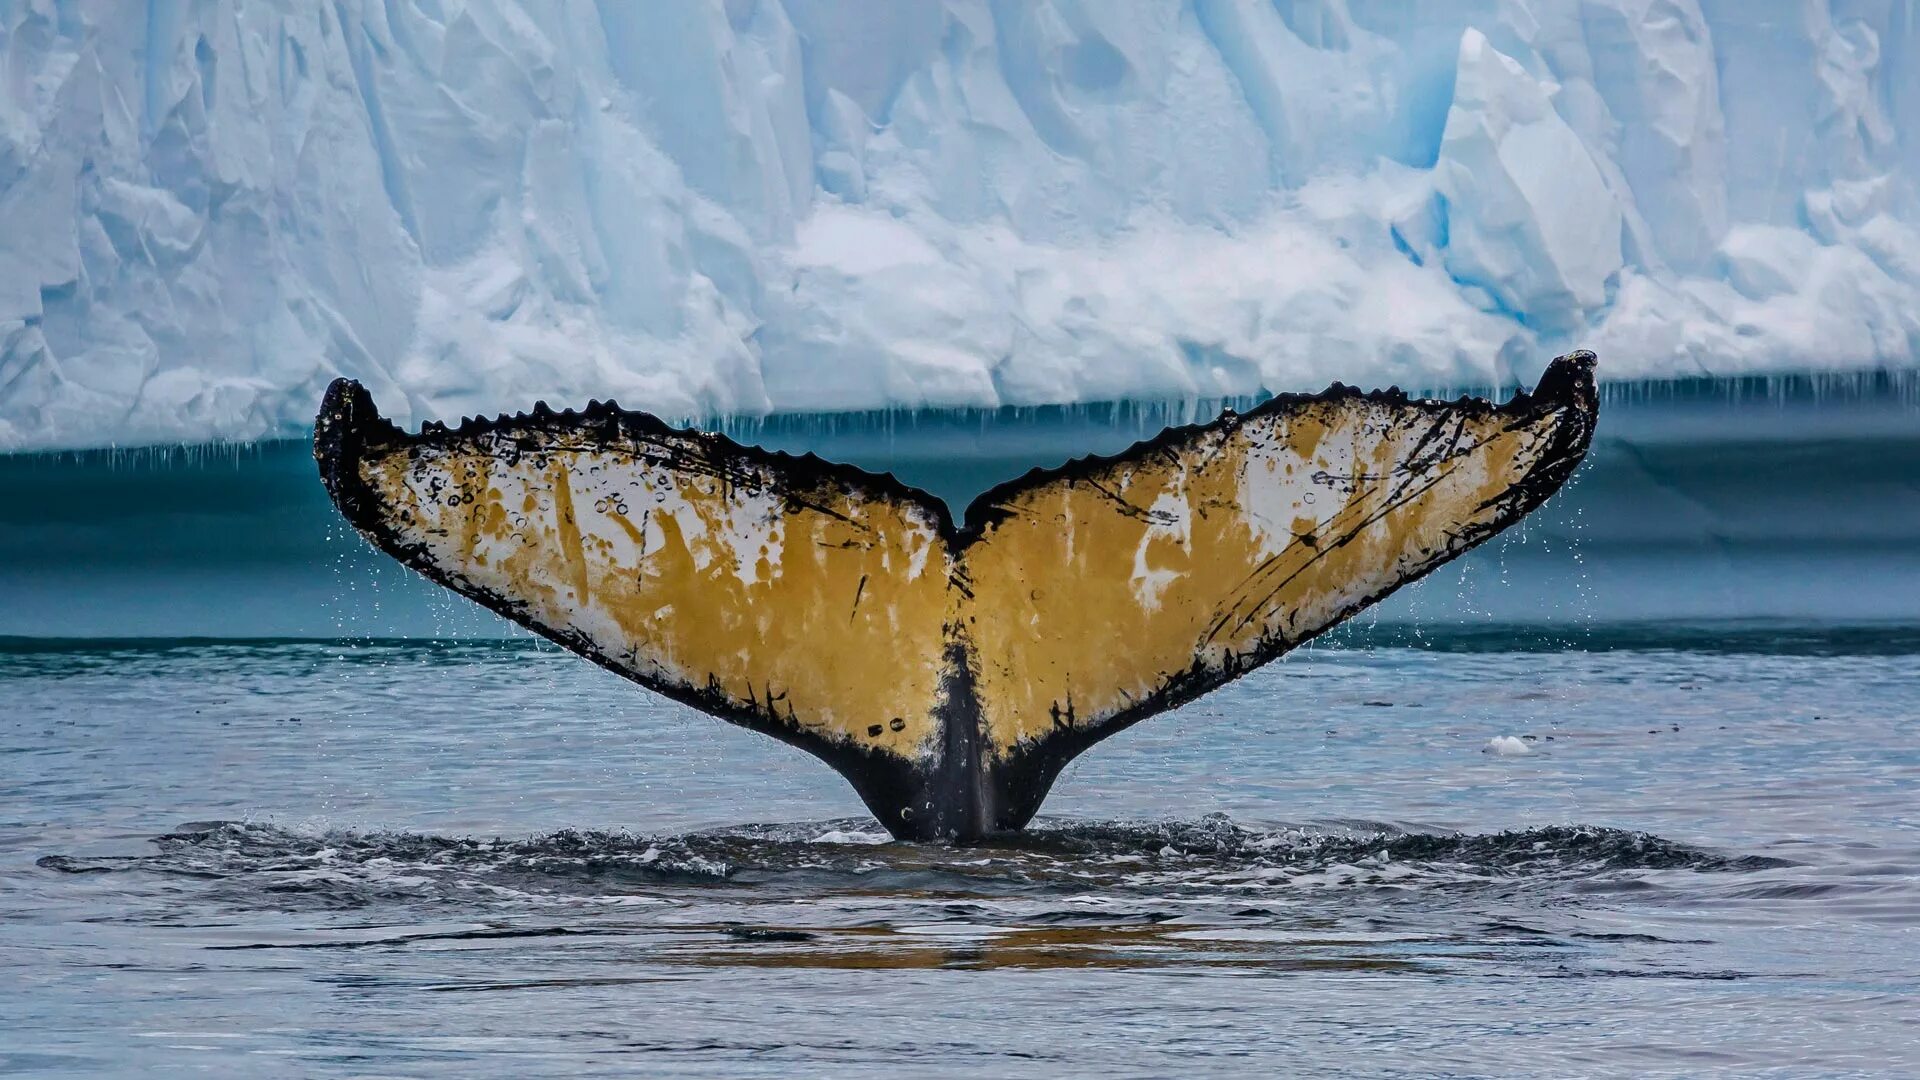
(1174, 895)
(424, 859)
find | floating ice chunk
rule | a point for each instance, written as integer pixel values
(1507, 746)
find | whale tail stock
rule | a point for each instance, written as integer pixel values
(949, 670)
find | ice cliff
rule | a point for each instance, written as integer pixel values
(208, 209)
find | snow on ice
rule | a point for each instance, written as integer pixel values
(208, 210)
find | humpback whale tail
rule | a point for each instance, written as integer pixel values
(949, 670)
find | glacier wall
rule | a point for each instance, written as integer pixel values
(209, 208)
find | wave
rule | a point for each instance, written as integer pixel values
(261, 862)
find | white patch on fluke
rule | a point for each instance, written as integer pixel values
(1169, 518)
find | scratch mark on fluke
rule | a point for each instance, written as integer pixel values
(977, 657)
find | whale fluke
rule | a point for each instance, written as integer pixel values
(949, 671)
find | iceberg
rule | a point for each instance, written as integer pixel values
(749, 207)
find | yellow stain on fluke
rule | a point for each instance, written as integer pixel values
(949, 671)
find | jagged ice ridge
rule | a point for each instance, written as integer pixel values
(208, 210)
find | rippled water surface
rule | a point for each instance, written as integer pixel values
(1700, 848)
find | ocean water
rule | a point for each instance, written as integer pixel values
(1632, 790)
(1615, 849)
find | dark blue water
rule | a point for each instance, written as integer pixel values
(400, 859)
(1716, 502)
